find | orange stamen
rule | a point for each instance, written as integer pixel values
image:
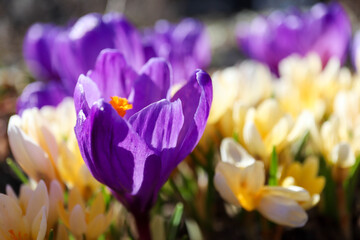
(19, 237)
(121, 105)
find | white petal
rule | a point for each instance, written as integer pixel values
(343, 155)
(38, 200)
(233, 153)
(283, 211)
(77, 221)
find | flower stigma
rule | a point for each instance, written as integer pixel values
(121, 105)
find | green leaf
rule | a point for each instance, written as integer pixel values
(299, 147)
(273, 168)
(351, 182)
(51, 234)
(175, 221)
(236, 136)
(18, 172)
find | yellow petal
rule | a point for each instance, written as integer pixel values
(227, 182)
(30, 156)
(55, 197)
(38, 200)
(62, 233)
(11, 214)
(96, 227)
(77, 221)
(253, 140)
(38, 229)
(97, 207)
(268, 114)
(296, 193)
(75, 198)
(222, 186)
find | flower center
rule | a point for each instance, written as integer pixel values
(121, 105)
(18, 237)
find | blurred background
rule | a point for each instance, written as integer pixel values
(220, 16)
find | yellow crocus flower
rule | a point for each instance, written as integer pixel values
(261, 128)
(240, 180)
(29, 216)
(44, 144)
(306, 176)
(80, 220)
(304, 85)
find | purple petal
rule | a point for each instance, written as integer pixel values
(355, 49)
(76, 50)
(126, 39)
(39, 94)
(159, 124)
(325, 29)
(85, 94)
(112, 75)
(196, 98)
(152, 85)
(114, 152)
(37, 47)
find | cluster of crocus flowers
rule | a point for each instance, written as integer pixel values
(240, 180)
(56, 55)
(306, 103)
(323, 29)
(133, 148)
(32, 214)
(44, 144)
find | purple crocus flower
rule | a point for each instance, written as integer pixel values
(39, 94)
(61, 54)
(134, 151)
(76, 50)
(37, 48)
(355, 51)
(324, 29)
(185, 45)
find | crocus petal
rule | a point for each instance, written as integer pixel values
(234, 153)
(112, 148)
(10, 212)
(37, 49)
(28, 153)
(155, 77)
(196, 111)
(343, 155)
(75, 50)
(39, 225)
(85, 94)
(126, 39)
(96, 227)
(38, 200)
(283, 211)
(112, 75)
(39, 94)
(227, 182)
(77, 221)
(159, 124)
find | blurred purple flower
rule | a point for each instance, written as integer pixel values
(76, 50)
(61, 54)
(39, 94)
(185, 45)
(134, 155)
(324, 29)
(37, 47)
(355, 50)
